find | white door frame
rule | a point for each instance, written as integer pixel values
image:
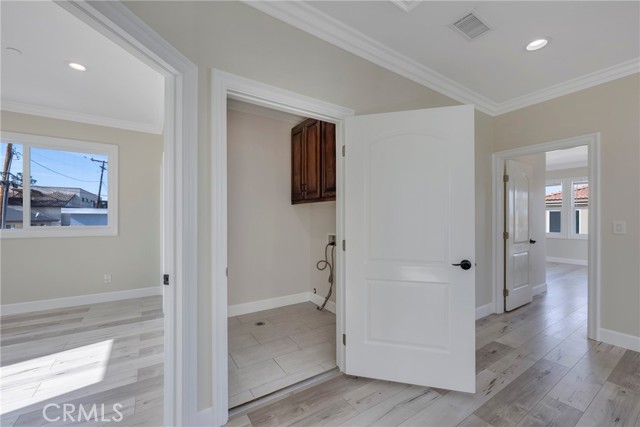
(224, 86)
(592, 141)
(180, 236)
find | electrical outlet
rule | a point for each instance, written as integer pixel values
(619, 227)
(331, 239)
(107, 278)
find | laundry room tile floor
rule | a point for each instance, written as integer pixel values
(273, 349)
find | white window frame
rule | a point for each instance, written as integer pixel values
(36, 141)
(567, 217)
(560, 234)
(572, 209)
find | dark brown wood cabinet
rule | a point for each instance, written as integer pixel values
(313, 162)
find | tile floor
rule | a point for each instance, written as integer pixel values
(294, 343)
(535, 367)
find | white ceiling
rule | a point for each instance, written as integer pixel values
(591, 42)
(118, 90)
(577, 157)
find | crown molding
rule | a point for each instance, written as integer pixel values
(570, 86)
(327, 28)
(406, 5)
(74, 116)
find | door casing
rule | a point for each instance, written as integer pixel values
(592, 141)
(224, 86)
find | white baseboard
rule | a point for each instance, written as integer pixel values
(204, 417)
(484, 311)
(630, 342)
(567, 260)
(318, 300)
(266, 304)
(538, 289)
(52, 304)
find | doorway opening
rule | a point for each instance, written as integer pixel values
(546, 229)
(281, 250)
(230, 87)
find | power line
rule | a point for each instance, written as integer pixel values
(59, 173)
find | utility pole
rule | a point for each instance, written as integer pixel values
(4, 189)
(102, 169)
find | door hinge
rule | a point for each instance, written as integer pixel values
(343, 150)
(505, 293)
(344, 339)
(505, 178)
(505, 235)
(226, 272)
(165, 280)
(344, 245)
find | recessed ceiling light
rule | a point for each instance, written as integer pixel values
(537, 44)
(76, 66)
(13, 50)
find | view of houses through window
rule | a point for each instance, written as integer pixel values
(64, 188)
(567, 205)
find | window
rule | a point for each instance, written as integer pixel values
(567, 205)
(70, 190)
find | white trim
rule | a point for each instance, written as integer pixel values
(570, 86)
(269, 303)
(567, 260)
(406, 5)
(75, 116)
(52, 304)
(266, 304)
(539, 289)
(267, 113)
(180, 234)
(224, 86)
(319, 300)
(484, 310)
(498, 161)
(630, 342)
(319, 24)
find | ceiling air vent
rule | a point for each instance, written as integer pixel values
(471, 26)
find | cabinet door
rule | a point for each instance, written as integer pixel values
(297, 164)
(328, 188)
(312, 172)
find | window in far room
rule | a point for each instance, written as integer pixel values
(70, 189)
(567, 208)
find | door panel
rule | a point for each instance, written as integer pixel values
(312, 157)
(517, 278)
(297, 156)
(410, 214)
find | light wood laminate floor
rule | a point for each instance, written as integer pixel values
(272, 349)
(103, 353)
(535, 367)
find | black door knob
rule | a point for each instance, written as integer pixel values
(465, 264)
(532, 241)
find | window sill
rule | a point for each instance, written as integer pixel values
(58, 232)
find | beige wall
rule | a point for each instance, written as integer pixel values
(576, 249)
(272, 243)
(323, 222)
(238, 39)
(45, 268)
(612, 109)
(235, 38)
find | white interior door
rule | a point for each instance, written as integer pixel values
(517, 246)
(410, 215)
